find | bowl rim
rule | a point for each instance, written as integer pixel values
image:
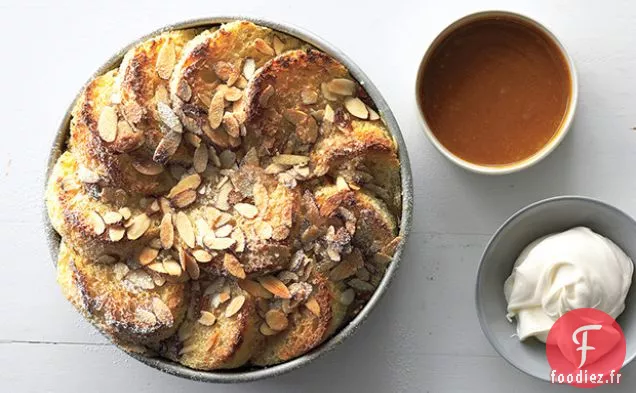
(553, 143)
(480, 274)
(229, 376)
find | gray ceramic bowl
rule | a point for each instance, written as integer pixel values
(251, 374)
(539, 219)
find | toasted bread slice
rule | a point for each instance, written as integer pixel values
(365, 157)
(307, 326)
(123, 303)
(283, 96)
(217, 334)
(112, 149)
(375, 225)
(78, 211)
(214, 61)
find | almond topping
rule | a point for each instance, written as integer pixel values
(341, 184)
(239, 237)
(96, 221)
(215, 112)
(356, 107)
(187, 183)
(157, 267)
(233, 266)
(313, 306)
(184, 199)
(326, 93)
(234, 306)
(162, 311)
(200, 159)
(342, 86)
(116, 234)
(276, 319)
(249, 67)
(125, 212)
(107, 124)
(266, 330)
(246, 210)
(149, 168)
(373, 115)
(233, 94)
(147, 255)
(172, 267)
(167, 147)
(219, 243)
(86, 175)
(169, 118)
(254, 288)
(224, 230)
(192, 267)
(112, 217)
(184, 91)
(231, 125)
(263, 47)
(202, 256)
(165, 60)
(166, 231)
(185, 230)
(309, 96)
(275, 286)
(264, 230)
(294, 116)
(138, 226)
(145, 316)
(207, 318)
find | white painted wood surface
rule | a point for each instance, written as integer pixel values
(424, 335)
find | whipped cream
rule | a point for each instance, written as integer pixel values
(557, 273)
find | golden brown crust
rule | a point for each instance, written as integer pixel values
(214, 59)
(125, 304)
(107, 159)
(71, 204)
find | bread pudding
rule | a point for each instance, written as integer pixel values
(228, 197)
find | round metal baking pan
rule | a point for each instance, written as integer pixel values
(246, 374)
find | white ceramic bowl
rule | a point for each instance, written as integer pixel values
(550, 146)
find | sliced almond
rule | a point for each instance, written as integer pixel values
(278, 44)
(207, 318)
(125, 213)
(266, 330)
(107, 124)
(216, 109)
(96, 222)
(184, 199)
(266, 94)
(116, 234)
(166, 231)
(341, 184)
(200, 159)
(222, 198)
(255, 289)
(155, 243)
(162, 311)
(149, 168)
(234, 306)
(373, 115)
(347, 297)
(172, 267)
(313, 306)
(167, 147)
(342, 86)
(233, 94)
(145, 316)
(233, 266)
(224, 231)
(309, 96)
(106, 259)
(327, 93)
(157, 267)
(231, 125)
(133, 112)
(202, 256)
(274, 169)
(112, 217)
(246, 210)
(275, 286)
(249, 67)
(184, 91)
(169, 118)
(190, 182)
(192, 267)
(147, 255)
(356, 107)
(219, 243)
(263, 47)
(185, 229)
(329, 114)
(276, 319)
(290, 159)
(166, 59)
(86, 175)
(239, 237)
(138, 226)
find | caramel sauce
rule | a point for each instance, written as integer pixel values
(495, 91)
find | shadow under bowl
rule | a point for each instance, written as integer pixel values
(530, 223)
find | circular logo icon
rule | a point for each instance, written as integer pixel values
(585, 348)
